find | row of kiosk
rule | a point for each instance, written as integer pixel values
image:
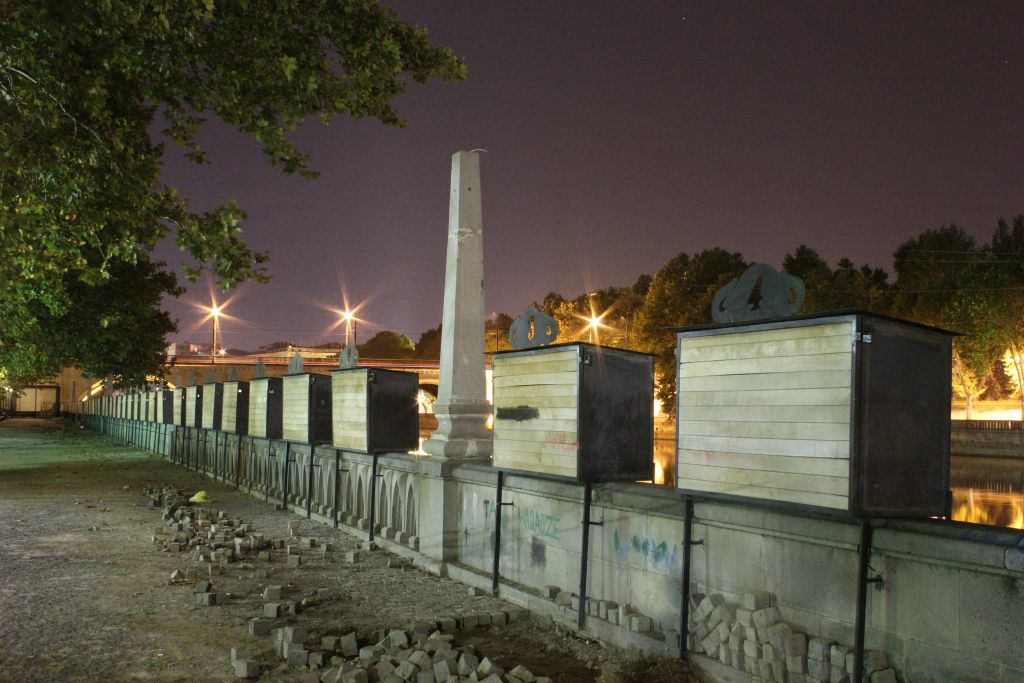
(841, 415)
(369, 410)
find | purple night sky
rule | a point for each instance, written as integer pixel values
(619, 134)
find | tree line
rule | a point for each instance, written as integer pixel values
(943, 277)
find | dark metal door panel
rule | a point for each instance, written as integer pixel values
(901, 464)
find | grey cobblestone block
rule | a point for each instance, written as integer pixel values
(757, 600)
(884, 676)
(819, 649)
(206, 599)
(246, 668)
(348, 645)
(298, 657)
(259, 628)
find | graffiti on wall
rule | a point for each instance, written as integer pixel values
(658, 552)
(530, 519)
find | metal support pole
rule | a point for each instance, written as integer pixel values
(238, 464)
(266, 476)
(309, 486)
(864, 557)
(498, 505)
(284, 476)
(373, 495)
(582, 614)
(188, 447)
(337, 485)
(688, 543)
(221, 455)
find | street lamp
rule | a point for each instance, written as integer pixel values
(351, 326)
(215, 314)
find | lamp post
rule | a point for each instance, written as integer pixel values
(351, 326)
(215, 314)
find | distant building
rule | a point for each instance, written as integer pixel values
(187, 349)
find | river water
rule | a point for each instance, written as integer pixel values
(985, 490)
(988, 490)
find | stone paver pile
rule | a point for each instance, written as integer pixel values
(425, 652)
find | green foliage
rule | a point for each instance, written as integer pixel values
(83, 84)
(115, 328)
(388, 344)
(680, 294)
(846, 287)
(429, 345)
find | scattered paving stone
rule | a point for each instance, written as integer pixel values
(206, 599)
(259, 628)
(294, 560)
(272, 593)
(246, 668)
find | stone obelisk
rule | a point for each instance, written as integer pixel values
(462, 407)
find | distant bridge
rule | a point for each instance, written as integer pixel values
(181, 368)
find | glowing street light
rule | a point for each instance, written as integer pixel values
(351, 326)
(215, 311)
(594, 322)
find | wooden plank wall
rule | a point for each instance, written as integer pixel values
(209, 399)
(766, 414)
(258, 407)
(190, 409)
(229, 407)
(178, 395)
(295, 408)
(349, 409)
(546, 382)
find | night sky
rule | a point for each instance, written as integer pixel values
(619, 134)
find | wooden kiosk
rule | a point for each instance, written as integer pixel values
(575, 411)
(265, 403)
(235, 407)
(842, 414)
(822, 411)
(375, 410)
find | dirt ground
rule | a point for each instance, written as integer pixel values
(85, 594)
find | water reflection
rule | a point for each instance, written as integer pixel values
(988, 491)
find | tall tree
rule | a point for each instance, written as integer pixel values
(1004, 291)
(941, 280)
(82, 85)
(115, 328)
(680, 294)
(387, 344)
(429, 345)
(846, 287)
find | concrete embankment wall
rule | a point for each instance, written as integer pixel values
(949, 607)
(1003, 439)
